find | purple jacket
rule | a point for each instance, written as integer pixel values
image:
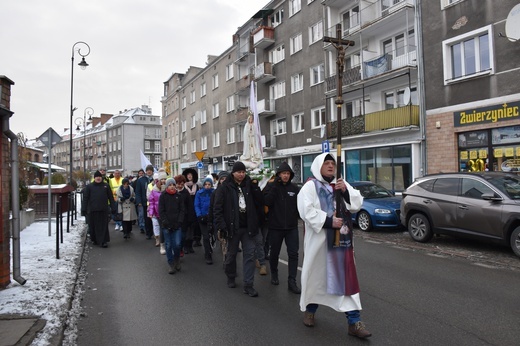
(153, 202)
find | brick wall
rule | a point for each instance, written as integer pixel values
(441, 144)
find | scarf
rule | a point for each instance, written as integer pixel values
(341, 268)
(173, 192)
(191, 187)
(125, 191)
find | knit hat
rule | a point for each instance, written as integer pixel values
(162, 175)
(98, 174)
(238, 166)
(208, 179)
(125, 180)
(223, 174)
(170, 181)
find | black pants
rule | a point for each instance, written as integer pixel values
(148, 226)
(276, 238)
(127, 227)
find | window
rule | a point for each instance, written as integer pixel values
(183, 102)
(277, 54)
(192, 96)
(184, 148)
(296, 43)
(279, 127)
(446, 3)
(193, 145)
(147, 145)
(294, 7)
(277, 18)
(297, 123)
(214, 81)
(216, 139)
(277, 90)
(316, 32)
(203, 117)
(230, 104)
(229, 71)
(394, 45)
(203, 89)
(317, 74)
(468, 55)
(204, 143)
(183, 126)
(214, 111)
(157, 146)
(350, 19)
(395, 98)
(230, 134)
(193, 121)
(157, 161)
(296, 83)
(318, 117)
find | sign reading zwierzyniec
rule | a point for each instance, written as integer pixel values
(485, 115)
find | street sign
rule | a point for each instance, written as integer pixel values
(199, 154)
(325, 146)
(50, 138)
(200, 165)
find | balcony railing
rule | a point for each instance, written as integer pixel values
(263, 36)
(377, 121)
(264, 72)
(266, 107)
(350, 76)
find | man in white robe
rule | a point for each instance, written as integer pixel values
(320, 219)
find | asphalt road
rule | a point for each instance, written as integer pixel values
(411, 295)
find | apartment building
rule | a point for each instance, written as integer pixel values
(381, 122)
(471, 82)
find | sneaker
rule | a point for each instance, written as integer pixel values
(308, 319)
(162, 249)
(177, 264)
(231, 283)
(250, 291)
(358, 329)
(171, 270)
(257, 264)
(293, 287)
(263, 270)
(274, 279)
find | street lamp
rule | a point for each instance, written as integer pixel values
(78, 122)
(83, 64)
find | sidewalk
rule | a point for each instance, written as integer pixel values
(38, 312)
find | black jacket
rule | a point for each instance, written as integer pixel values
(171, 210)
(98, 197)
(226, 213)
(281, 199)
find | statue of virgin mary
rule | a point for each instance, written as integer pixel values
(252, 156)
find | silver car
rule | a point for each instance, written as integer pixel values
(482, 205)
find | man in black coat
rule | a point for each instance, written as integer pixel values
(281, 199)
(237, 216)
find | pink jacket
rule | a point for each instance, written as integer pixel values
(153, 202)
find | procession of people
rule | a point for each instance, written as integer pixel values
(231, 208)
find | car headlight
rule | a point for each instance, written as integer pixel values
(382, 211)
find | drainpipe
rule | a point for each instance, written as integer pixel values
(15, 198)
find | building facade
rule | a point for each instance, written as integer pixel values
(471, 83)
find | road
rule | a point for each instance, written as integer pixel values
(411, 296)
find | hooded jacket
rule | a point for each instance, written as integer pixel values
(281, 198)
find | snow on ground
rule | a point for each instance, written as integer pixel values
(50, 281)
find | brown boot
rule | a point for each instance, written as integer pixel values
(157, 240)
(358, 329)
(308, 319)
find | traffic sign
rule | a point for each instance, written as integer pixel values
(200, 165)
(325, 147)
(199, 154)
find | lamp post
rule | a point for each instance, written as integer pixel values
(78, 122)
(83, 64)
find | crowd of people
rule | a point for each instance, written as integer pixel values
(180, 213)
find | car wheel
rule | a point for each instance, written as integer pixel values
(515, 241)
(363, 221)
(419, 228)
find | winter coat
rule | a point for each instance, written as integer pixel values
(171, 210)
(189, 208)
(126, 205)
(202, 201)
(281, 199)
(314, 269)
(140, 190)
(226, 211)
(96, 196)
(153, 202)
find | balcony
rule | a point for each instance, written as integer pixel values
(264, 72)
(397, 59)
(263, 36)
(243, 84)
(266, 107)
(270, 142)
(350, 76)
(377, 121)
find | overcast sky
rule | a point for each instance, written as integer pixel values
(135, 45)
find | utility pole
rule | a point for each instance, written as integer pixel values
(341, 46)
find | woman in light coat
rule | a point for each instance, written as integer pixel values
(126, 205)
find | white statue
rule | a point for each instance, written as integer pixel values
(252, 156)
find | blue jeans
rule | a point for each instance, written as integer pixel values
(172, 243)
(140, 215)
(352, 316)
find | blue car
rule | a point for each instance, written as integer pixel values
(380, 209)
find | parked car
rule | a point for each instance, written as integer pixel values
(380, 207)
(481, 205)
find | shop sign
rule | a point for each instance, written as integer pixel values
(486, 115)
